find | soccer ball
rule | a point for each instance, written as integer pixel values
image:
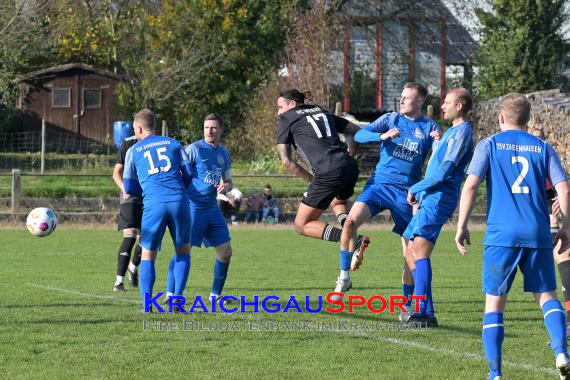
(41, 221)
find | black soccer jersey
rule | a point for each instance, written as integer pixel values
(315, 131)
(125, 146)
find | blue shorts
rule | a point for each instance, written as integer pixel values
(432, 214)
(209, 227)
(500, 267)
(379, 197)
(157, 216)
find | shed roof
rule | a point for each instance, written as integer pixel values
(55, 70)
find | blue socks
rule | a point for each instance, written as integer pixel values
(181, 273)
(178, 273)
(493, 335)
(555, 322)
(170, 285)
(147, 277)
(345, 259)
(422, 278)
(407, 291)
(220, 275)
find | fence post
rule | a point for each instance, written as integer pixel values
(430, 111)
(164, 128)
(338, 108)
(43, 154)
(16, 189)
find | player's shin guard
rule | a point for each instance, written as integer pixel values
(170, 283)
(124, 255)
(181, 272)
(220, 275)
(345, 258)
(564, 270)
(137, 253)
(147, 277)
(493, 335)
(555, 322)
(423, 279)
(331, 233)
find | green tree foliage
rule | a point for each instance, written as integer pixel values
(182, 58)
(521, 46)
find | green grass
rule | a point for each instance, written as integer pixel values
(60, 319)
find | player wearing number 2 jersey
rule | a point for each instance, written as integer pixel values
(314, 131)
(160, 165)
(517, 165)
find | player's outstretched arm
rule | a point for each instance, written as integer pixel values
(466, 204)
(292, 165)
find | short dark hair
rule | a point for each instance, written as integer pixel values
(293, 94)
(420, 88)
(146, 118)
(464, 97)
(216, 117)
(268, 186)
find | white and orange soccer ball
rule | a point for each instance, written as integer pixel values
(41, 221)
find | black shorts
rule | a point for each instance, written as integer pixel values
(338, 183)
(550, 194)
(130, 215)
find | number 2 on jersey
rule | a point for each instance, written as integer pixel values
(312, 119)
(516, 188)
(161, 157)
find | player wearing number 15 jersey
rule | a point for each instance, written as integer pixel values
(314, 131)
(160, 165)
(517, 165)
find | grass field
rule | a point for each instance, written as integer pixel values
(60, 319)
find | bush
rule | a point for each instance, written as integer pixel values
(266, 164)
(11, 119)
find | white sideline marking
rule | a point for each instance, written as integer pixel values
(76, 293)
(450, 352)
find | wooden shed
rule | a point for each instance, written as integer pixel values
(74, 99)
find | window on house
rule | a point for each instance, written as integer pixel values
(61, 98)
(92, 98)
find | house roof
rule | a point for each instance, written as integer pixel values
(54, 70)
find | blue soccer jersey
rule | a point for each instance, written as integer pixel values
(161, 166)
(401, 158)
(516, 165)
(456, 149)
(211, 165)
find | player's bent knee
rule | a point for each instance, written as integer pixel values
(299, 227)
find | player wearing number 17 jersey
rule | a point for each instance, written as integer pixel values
(517, 165)
(314, 131)
(160, 165)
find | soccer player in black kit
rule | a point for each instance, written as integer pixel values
(314, 131)
(130, 215)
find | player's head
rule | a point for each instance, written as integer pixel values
(289, 99)
(213, 128)
(514, 112)
(413, 98)
(144, 123)
(267, 189)
(537, 132)
(457, 104)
